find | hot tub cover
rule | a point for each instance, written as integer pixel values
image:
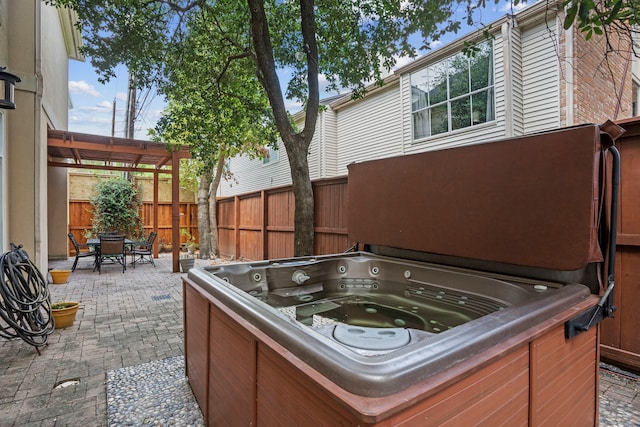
(531, 201)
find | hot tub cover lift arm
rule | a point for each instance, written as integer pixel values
(605, 307)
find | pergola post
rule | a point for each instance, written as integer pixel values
(156, 199)
(175, 210)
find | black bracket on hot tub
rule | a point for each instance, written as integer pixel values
(605, 307)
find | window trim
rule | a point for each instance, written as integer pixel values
(450, 131)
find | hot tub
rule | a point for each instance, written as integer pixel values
(475, 295)
(376, 325)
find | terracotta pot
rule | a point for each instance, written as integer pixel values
(60, 277)
(64, 317)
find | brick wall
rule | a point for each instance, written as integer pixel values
(600, 79)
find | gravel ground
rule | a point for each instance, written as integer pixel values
(619, 397)
(152, 394)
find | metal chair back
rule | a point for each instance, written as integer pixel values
(111, 245)
(74, 242)
(81, 254)
(112, 248)
(144, 252)
(151, 240)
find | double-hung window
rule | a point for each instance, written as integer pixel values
(454, 93)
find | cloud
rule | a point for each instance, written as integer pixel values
(101, 107)
(82, 87)
(509, 7)
(401, 61)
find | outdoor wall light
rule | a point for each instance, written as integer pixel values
(7, 84)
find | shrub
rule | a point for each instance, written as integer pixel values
(116, 208)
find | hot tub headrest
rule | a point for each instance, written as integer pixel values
(532, 201)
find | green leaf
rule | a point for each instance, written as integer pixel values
(571, 16)
(613, 14)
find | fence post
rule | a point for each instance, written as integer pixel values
(263, 224)
(236, 226)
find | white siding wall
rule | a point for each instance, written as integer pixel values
(370, 128)
(540, 71)
(250, 175)
(315, 149)
(330, 156)
(55, 64)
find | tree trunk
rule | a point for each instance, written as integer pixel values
(204, 227)
(303, 193)
(296, 144)
(213, 216)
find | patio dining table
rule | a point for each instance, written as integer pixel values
(96, 243)
(128, 244)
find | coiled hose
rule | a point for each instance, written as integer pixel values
(25, 304)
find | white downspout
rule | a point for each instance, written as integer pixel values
(323, 145)
(507, 61)
(568, 73)
(40, 166)
(403, 142)
(4, 192)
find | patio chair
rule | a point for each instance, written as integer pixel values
(80, 253)
(142, 252)
(111, 249)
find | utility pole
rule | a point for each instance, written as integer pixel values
(113, 119)
(131, 116)
(131, 108)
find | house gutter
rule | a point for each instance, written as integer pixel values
(371, 89)
(72, 35)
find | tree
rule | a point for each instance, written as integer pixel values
(217, 107)
(604, 18)
(350, 42)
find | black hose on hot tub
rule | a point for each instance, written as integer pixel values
(605, 306)
(606, 302)
(25, 304)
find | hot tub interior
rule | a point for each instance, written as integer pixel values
(363, 304)
(377, 292)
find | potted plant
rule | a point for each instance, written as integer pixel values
(164, 246)
(64, 313)
(187, 261)
(59, 276)
(191, 246)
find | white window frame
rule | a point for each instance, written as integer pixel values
(424, 82)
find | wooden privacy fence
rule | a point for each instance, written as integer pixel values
(620, 341)
(81, 219)
(260, 225)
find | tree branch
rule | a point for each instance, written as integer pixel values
(311, 45)
(266, 68)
